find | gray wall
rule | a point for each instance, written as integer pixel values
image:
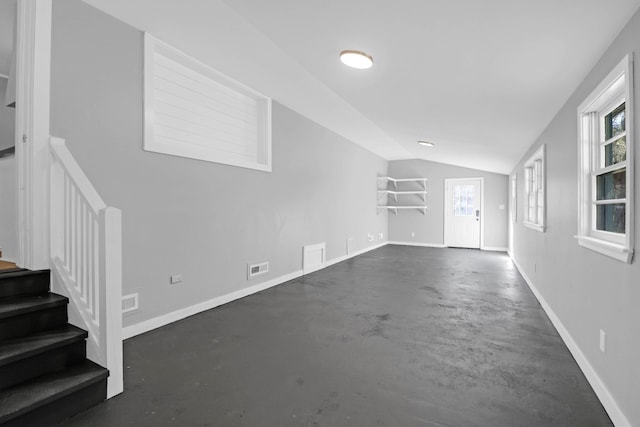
(429, 228)
(7, 119)
(201, 219)
(8, 206)
(8, 218)
(587, 291)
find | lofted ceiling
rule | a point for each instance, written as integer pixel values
(480, 79)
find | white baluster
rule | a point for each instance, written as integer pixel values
(86, 251)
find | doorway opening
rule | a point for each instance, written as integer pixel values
(463, 207)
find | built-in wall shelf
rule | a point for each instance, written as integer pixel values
(395, 208)
(395, 194)
(408, 188)
(395, 181)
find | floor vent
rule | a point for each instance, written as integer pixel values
(257, 269)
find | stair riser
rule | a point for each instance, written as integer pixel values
(31, 283)
(48, 362)
(61, 409)
(37, 321)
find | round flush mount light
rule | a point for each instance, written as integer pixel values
(356, 59)
(426, 143)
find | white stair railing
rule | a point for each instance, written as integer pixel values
(86, 255)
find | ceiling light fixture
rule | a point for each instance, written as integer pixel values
(356, 59)
(426, 143)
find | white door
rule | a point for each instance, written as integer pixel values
(462, 216)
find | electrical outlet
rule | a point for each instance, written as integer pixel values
(413, 234)
(370, 236)
(175, 279)
(381, 236)
(603, 341)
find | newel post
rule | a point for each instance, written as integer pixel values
(111, 293)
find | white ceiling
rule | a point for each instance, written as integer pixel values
(481, 79)
(7, 16)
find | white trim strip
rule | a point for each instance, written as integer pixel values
(610, 249)
(608, 402)
(494, 249)
(353, 254)
(174, 316)
(425, 245)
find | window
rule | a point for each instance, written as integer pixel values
(514, 198)
(606, 171)
(463, 200)
(193, 111)
(534, 188)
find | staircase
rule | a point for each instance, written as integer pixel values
(45, 376)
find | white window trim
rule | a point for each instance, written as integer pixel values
(538, 156)
(211, 154)
(513, 209)
(610, 91)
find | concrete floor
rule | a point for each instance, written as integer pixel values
(400, 336)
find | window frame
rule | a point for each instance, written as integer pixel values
(615, 89)
(535, 190)
(214, 151)
(513, 210)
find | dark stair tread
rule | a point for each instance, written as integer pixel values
(11, 270)
(20, 272)
(21, 348)
(23, 398)
(20, 305)
(24, 282)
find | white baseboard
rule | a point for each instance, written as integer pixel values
(494, 248)
(440, 245)
(608, 402)
(424, 245)
(174, 316)
(352, 254)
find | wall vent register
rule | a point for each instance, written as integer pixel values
(254, 270)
